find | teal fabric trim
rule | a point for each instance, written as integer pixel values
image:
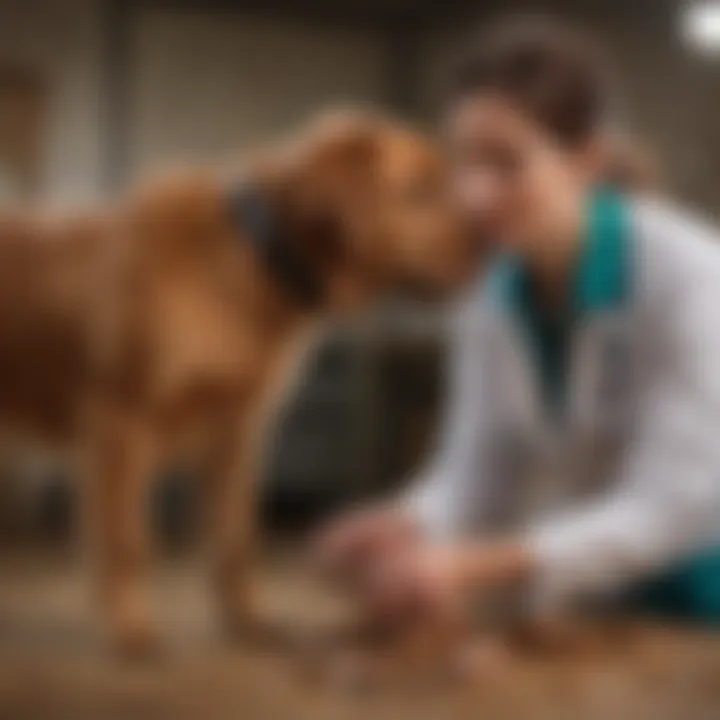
(599, 282)
(688, 592)
(601, 278)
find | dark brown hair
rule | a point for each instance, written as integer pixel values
(549, 70)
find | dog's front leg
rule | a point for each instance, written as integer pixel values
(234, 472)
(122, 455)
(232, 523)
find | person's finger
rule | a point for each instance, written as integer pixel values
(389, 588)
(346, 551)
(355, 542)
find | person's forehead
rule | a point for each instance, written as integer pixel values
(490, 115)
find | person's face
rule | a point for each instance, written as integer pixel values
(517, 186)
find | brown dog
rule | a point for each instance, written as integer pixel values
(169, 326)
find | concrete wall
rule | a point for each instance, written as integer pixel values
(203, 84)
(212, 83)
(60, 39)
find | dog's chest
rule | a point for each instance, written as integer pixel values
(203, 359)
(213, 363)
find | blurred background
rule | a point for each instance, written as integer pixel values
(95, 92)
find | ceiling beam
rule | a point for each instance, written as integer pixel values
(374, 13)
(118, 52)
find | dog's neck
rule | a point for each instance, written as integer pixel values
(305, 282)
(260, 225)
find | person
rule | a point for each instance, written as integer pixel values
(579, 458)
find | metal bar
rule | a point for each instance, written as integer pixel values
(375, 13)
(118, 27)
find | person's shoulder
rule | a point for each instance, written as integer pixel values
(666, 230)
(677, 250)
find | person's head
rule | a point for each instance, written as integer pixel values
(524, 125)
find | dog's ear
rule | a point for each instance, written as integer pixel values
(324, 186)
(332, 184)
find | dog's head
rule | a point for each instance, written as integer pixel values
(367, 204)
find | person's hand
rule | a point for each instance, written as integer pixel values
(435, 581)
(349, 546)
(421, 580)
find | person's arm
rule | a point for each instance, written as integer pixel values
(667, 497)
(664, 504)
(447, 499)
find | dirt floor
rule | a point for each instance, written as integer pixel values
(53, 666)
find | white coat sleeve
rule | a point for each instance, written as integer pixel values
(666, 501)
(447, 497)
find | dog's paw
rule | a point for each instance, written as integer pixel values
(132, 634)
(137, 642)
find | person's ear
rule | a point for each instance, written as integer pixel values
(592, 158)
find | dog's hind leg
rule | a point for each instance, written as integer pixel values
(122, 457)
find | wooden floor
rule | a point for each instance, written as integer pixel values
(53, 667)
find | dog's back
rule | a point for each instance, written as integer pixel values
(48, 268)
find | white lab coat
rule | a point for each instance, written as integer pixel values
(627, 479)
